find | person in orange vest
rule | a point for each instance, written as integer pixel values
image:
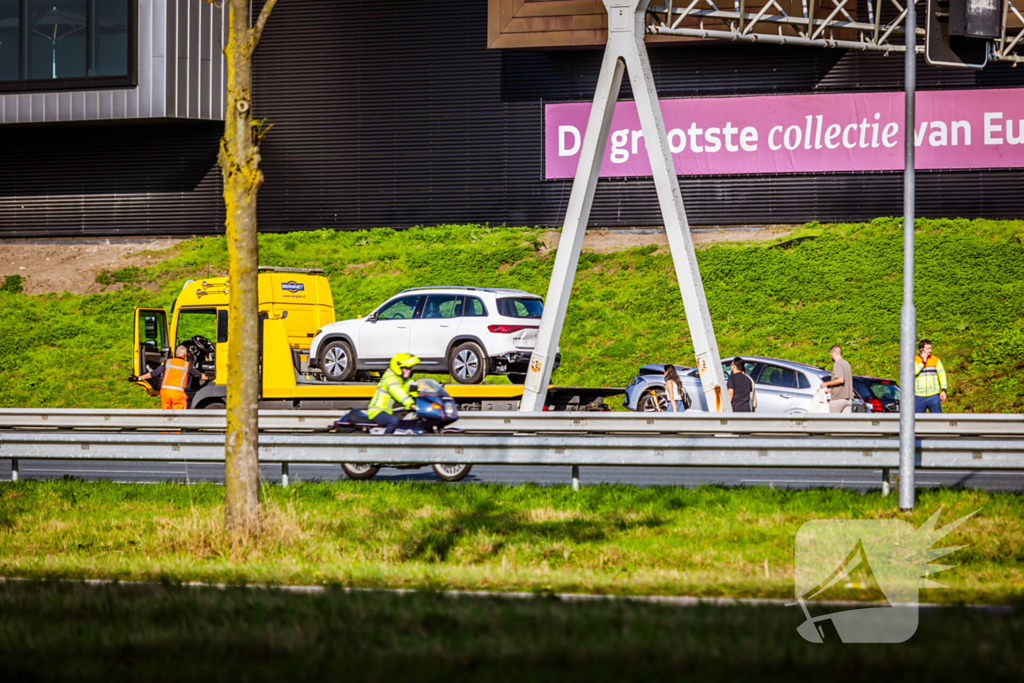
(175, 373)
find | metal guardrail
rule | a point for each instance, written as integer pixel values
(971, 442)
(989, 454)
(930, 425)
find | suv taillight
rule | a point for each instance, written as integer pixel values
(875, 405)
(509, 329)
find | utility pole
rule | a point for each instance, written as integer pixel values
(908, 315)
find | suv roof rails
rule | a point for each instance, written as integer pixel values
(472, 289)
(281, 269)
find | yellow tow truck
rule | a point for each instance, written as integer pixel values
(293, 304)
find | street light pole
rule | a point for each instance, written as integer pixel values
(908, 315)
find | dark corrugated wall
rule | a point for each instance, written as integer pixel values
(375, 126)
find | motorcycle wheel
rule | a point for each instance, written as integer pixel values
(451, 472)
(359, 471)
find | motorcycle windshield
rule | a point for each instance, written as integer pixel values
(428, 387)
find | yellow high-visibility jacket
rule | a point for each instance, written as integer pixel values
(930, 377)
(390, 389)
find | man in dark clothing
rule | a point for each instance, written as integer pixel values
(740, 385)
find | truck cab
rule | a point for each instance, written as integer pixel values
(299, 297)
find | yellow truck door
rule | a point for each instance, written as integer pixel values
(150, 343)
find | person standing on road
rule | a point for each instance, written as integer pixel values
(175, 373)
(841, 384)
(674, 390)
(741, 387)
(929, 380)
(394, 387)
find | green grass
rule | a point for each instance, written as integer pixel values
(844, 286)
(71, 632)
(604, 539)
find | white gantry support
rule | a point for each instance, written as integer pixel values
(626, 52)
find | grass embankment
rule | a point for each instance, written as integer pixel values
(604, 539)
(73, 632)
(844, 285)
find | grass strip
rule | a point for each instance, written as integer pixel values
(607, 539)
(842, 285)
(73, 632)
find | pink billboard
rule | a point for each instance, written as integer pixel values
(801, 133)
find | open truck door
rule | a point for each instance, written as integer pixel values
(151, 343)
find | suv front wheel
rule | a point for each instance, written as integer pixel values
(467, 364)
(337, 361)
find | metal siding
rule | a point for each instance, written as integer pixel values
(123, 178)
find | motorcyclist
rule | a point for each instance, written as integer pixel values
(394, 387)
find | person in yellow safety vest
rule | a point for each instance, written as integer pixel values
(393, 387)
(929, 380)
(175, 373)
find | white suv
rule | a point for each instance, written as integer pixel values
(467, 332)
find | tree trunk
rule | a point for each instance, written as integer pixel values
(239, 162)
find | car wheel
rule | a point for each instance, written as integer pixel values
(517, 377)
(451, 472)
(337, 361)
(359, 471)
(646, 404)
(467, 364)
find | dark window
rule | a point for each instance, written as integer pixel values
(888, 390)
(192, 322)
(222, 326)
(804, 384)
(440, 306)
(520, 308)
(10, 10)
(473, 308)
(749, 366)
(400, 309)
(774, 376)
(66, 44)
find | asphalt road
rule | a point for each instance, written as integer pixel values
(862, 480)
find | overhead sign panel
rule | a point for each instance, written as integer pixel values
(801, 133)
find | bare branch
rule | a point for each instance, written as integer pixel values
(257, 30)
(214, 3)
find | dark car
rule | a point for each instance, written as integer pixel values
(879, 395)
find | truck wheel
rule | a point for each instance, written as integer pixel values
(451, 472)
(215, 405)
(359, 471)
(467, 364)
(517, 377)
(337, 361)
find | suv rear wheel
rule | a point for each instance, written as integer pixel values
(337, 361)
(467, 364)
(653, 401)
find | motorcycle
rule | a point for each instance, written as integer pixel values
(433, 412)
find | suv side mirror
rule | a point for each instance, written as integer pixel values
(372, 317)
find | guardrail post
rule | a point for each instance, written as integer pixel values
(284, 474)
(575, 477)
(885, 481)
(14, 469)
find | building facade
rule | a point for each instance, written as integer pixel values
(374, 126)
